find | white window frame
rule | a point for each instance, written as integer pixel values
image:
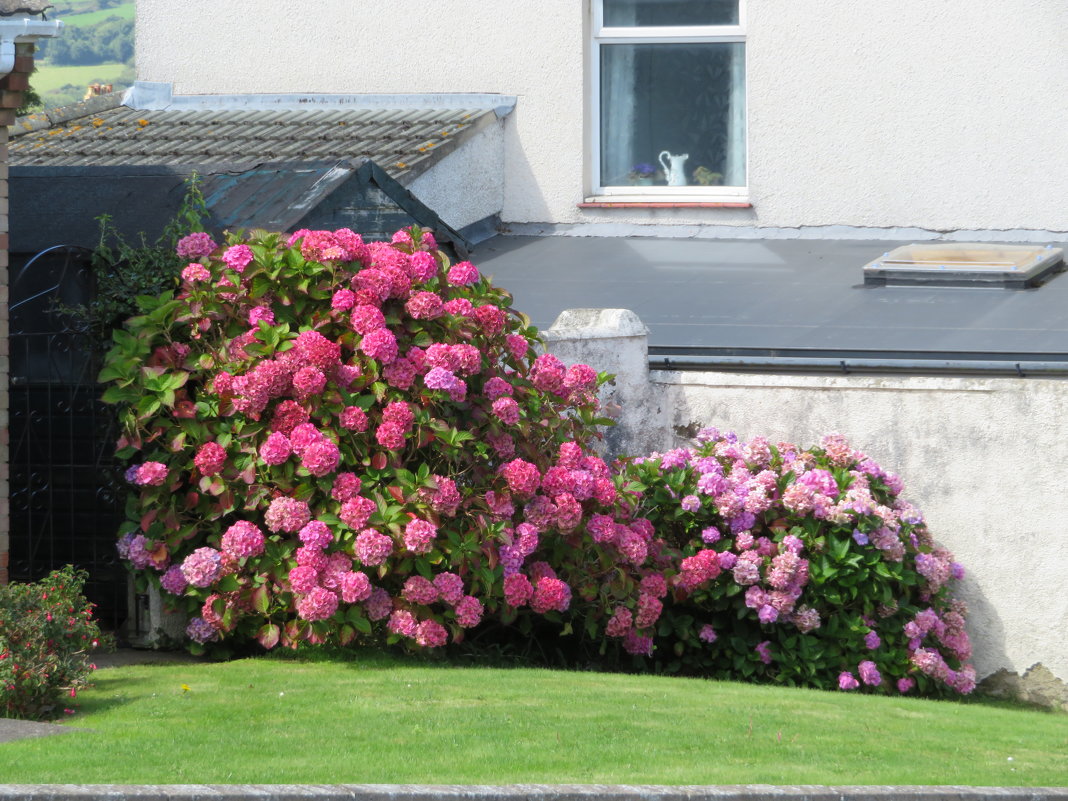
(602, 35)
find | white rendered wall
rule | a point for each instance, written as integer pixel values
(982, 457)
(929, 113)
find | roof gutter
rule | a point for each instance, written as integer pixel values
(22, 29)
(869, 366)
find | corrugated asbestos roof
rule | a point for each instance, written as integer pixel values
(403, 141)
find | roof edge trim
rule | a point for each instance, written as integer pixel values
(159, 96)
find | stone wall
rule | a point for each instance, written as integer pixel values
(980, 456)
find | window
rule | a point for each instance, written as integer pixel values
(668, 116)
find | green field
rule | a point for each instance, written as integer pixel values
(49, 79)
(377, 719)
(93, 17)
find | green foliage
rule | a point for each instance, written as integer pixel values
(109, 40)
(125, 272)
(47, 631)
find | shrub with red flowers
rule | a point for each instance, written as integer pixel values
(800, 567)
(331, 439)
(47, 633)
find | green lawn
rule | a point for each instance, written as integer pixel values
(381, 720)
(49, 78)
(92, 17)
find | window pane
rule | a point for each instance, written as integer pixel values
(655, 13)
(673, 114)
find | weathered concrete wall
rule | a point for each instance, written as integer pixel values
(942, 116)
(982, 457)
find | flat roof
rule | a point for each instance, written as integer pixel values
(777, 298)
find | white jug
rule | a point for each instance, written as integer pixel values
(674, 168)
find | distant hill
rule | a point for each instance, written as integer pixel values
(95, 46)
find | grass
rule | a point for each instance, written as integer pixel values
(125, 11)
(383, 720)
(49, 79)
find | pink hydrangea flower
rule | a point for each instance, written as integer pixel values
(620, 623)
(152, 474)
(238, 257)
(764, 651)
(403, 622)
(195, 272)
(319, 604)
(287, 416)
(869, 673)
(202, 567)
(458, 306)
(463, 273)
(450, 587)
(210, 458)
(321, 458)
(195, 245)
(287, 514)
(419, 590)
(846, 681)
(303, 578)
(275, 449)
(419, 536)
(380, 345)
(378, 604)
(353, 418)
(243, 540)
(517, 590)
(517, 345)
(431, 634)
(400, 373)
(506, 410)
(707, 634)
(550, 595)
(174, 581)
(317, 534)
(346, 486)
(580, 377)
(390, 436)
(355, 587)
(367, 318)
(356, 511)
(373, 548)
(424, 306)
(343, 300)
(548, 373)
(469, 612)
(490, 318)
(423, 266)
(523, 477)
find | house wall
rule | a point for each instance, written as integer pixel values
(937, 115)
(982, 457)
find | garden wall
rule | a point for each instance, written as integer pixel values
(982, 457)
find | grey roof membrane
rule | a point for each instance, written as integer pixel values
(401, 141)
(774, 297)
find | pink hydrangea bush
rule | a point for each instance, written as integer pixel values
(334, 439)
(800, 566)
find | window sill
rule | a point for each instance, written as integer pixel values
(601, 203)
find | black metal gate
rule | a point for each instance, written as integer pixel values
(66, 489)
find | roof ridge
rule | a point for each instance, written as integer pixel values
(38, 121)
